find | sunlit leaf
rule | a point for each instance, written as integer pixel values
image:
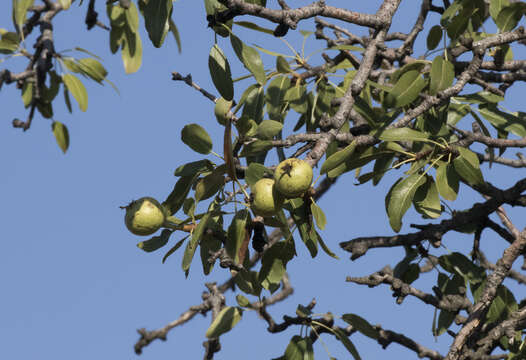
(399, 199)
(61, 135)
(250, 58)
(227, 318)
(442, 75)
(77, 89)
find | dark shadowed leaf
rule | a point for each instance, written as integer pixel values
(256, 147)
(256, 172)
(221, 110)
(194, 241)
(175, 200)
(340, 335)
(510, 16)
(360, 324)
(338, 158)
(299, 348)
(220, 72)
(282, 65)
(434, 37)
(196, 137)
(274, 97)
(174, 248)
(457, 263)
(426, 200)
(156, 13)
(250, 58)
(237, 232)
(268, 129)
(227, 318)
(193, 168)
(155, 242)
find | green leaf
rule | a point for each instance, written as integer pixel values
(237, 232)
(209, 185)
(502, 306)
(210, 243)
(399, 199)
(457, 263)
(510, 16)
(268, 129)
(495, 6)
(360, 324)
(402, 134)
(303, 311)
(254, 103)
(221, 110)
(442, 75)
(227, 318)
(256, 172)
(447, 181)
(242, 301)
(116, 15)
(27, 93)
(131, 51)
(65, 4)
(175, 200)
(340, 335)
(434, 37)
(252, 26)
(174, 248)
(196, 137)
(155, 242)
(299, 349)
(297, 98)
(220, 72)
(504, 121)
(248, 282)
(156, 14)
(256, 147)
(250, 58)
(77, 89)
(175, 33)
(67, 100)
(194, 241)
(325, 248)
(61, 135)
(426, 200)
(467, 165)
(274, 97)
(20, 11)
(406, 90)
(282, 65)
(298, 211)
(318, 215)
(193, 168)
(338, 158)
(132, 17)
(92, 68)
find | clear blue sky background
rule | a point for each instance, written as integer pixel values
(75, 286)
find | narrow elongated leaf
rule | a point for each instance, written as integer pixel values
(254, 103)
(27, 93)
(406, 90)
(77, 89)
(447, 181)
(209, 243)
(61, 135)
(502, 120)
(175, 33)
(340, 335)
(220, 72)
(92, 68)
(227, 318)
(156, 13)
(155, 242)
(274, 97)
(442, 75)
(250, 58)
(252, 26)
(402, 134)
(467, 165)
(191, 247)
(399, 199)
(326, 249)
(174, 248)
(434, 37)
(196, 137)
(338, 158)
(318, 215)
(362, 325)
(132, 17)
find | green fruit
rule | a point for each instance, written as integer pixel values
(266, 201)
(293, 177)
(144, 216)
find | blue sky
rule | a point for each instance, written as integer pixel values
(75, 285)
